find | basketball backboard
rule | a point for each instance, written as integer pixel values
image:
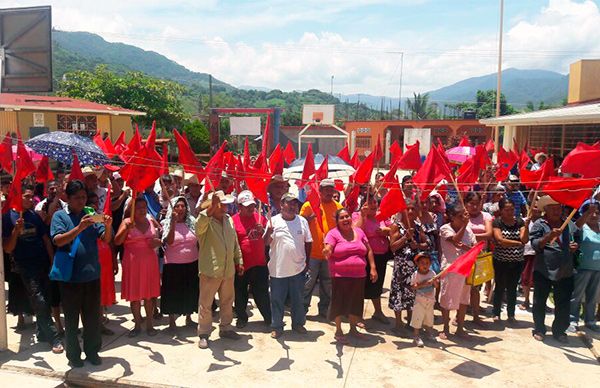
(26, 49)
(318, 114)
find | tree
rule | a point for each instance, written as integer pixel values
(420, 108)
(197, 134)
(160, 99)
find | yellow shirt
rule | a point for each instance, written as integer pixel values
(328, 213)
(219, 251)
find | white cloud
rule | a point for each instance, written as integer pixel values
(203, 36)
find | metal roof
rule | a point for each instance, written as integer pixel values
(12, 101)
(574, 114)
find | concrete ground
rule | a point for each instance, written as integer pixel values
(494, 354)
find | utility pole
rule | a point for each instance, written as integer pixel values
(400, 85)
(210, 92)
(499, 85)
(332, 85)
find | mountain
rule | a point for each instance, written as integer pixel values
(519, 87)
(85, 50)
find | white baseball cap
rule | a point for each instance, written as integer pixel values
(246, 198)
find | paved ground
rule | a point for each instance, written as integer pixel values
(493, 355)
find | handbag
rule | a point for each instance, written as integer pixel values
(482, 271)
(62, 266)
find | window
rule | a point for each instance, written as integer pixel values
(547, 137)
(82, 125)
(363, 142)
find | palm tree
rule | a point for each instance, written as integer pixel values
(419, 106)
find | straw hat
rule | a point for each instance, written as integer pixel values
(539, 155)
(190, 179)
(545, 200)
(226, 199)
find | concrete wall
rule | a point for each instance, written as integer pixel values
(584, 81)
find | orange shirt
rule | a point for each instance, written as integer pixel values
(328, 212)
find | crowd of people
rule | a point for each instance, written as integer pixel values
(183, 248)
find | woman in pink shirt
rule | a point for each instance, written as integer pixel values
(180, 284)
(347, 250)
(377, 233)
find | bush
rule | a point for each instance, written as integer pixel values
(197, 134)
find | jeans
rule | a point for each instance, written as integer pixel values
(38, 289)
(281, 288)
(81, 299)
(587, 282)
(257, 279)
(318, 269)
(506, 276)
(562, 289)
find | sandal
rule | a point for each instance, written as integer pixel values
(524, 306)
(381, 318)
(151, 332)
(358, 335)
(341, 339)
(361, 325)
(443, 336)
(57, 348)
(134, 332)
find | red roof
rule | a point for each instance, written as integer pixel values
(62, 104)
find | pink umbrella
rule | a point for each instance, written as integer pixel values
(35, 157)
(459, 155)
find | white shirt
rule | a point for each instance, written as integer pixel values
(101, 192)
(40, 206)
(287, 253)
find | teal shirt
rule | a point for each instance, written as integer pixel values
(590, 249)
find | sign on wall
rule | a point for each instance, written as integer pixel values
(423, 135)
(38, 119)
(245, 125)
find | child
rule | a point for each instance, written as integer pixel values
(424, 284)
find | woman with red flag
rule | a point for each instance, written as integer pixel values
(141, 277)
(347, 250)
(455, 238)
(377, 233)
(407, 238)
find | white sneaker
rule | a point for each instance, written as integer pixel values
(572, 329)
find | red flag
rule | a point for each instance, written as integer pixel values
(216, 165)
(110, 148)
(363, 173)
(100, 143)
(246, 153)
(378, 153)
(309, 166)
(258, 184)
(276, 161)
(355, 162)
(164, 166)
(120, 145)
(396, 152)
(6, 154)
(432, 172)
(523, 160)
(15, 195)
(44, 172)
(289, 154)
(468, 173)
(464, 142)
(323, 170)
(187, 158)
(411, 160)
(151, 141)
(464, 263)
(107, 203)
(351, 201)
(142, 169)
(265, 138)
(314, 198)
(392, 203)
(76, 172)
(506, 161)
(535, 179)
(570, 191)
(583, 160)
(490, 146)
(344, 154)
(390, 179)
(133, 146)
(25, 166)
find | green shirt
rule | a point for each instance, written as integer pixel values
(219, 248)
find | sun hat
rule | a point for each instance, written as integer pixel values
(226, 199)
(246, 198)
(546, 200)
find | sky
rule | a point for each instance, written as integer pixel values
(368, 46)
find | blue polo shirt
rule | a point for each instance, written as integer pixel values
(519, 200)
(86, 266)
